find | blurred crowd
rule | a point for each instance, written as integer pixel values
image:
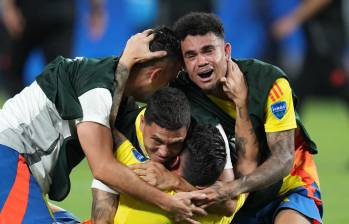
(306, 38)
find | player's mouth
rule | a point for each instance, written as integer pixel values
(205, 75)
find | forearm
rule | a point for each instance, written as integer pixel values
(104, 206)
(121, 75)
(277, 166)
(122, 179)
(246, 142)
(307, 9)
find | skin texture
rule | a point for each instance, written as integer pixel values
(162, 145)
(205, 52)
(97, 143)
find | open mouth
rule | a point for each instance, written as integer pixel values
(206, 74)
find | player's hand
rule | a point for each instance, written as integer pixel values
(137, 49)
(215, 194)
(182, 208)
(234, 84)
(156, 175)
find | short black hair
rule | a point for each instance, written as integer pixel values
(164, 40)
(198, 23)
(206, 155)
(169, 108)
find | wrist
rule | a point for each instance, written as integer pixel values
(164, 202)
(128, 63)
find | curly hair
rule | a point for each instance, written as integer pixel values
(169, 108)
(198, 23)
(204, 155)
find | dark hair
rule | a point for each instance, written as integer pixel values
(198, 23)
(206, 155)
(164, 40)
(169, 108)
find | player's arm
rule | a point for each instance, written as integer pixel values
(157, 175)
(104, 206)
(280, 125)
(104, 200)
(96, 141)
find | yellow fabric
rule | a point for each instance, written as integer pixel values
(139, 133)
(216, 219)
(281, 91)
(290, 182)
(131, 211)
(226, 105)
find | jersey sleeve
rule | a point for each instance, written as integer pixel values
(280, 114)
(96, 104)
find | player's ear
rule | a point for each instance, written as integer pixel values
(227, 50)
(154, 73)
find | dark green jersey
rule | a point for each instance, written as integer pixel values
(260, 78)
(64, 80)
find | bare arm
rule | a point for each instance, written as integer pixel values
(158, 176)
(97, 143)
(104, 206)
(305, 10)
(277, 166)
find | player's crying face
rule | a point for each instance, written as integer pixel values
(163, 145)
(205, 58)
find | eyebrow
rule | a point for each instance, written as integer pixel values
(175, 141)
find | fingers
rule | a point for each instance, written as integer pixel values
(147, 32)
(138, 166)
(229, 69)
(197, 196)
(140, 172)
(198, 210)
(191, 221)
(156, 54)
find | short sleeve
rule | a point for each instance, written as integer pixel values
(280, 114)
(96, 105)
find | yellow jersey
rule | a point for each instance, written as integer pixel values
(131, 210)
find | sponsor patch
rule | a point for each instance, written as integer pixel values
(139, 156)
(279, 109)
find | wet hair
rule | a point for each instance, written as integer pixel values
(164, 40)
(198, 23)
(169, 108)
(204, 155)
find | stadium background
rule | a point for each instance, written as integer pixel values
(326, 118)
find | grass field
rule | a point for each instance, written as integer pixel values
(327, 122)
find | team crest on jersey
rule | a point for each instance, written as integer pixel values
(279, 109)
(139, 156)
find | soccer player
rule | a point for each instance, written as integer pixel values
(200, 163)
(64, 116)
(285, 186)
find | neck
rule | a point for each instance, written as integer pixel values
(218, 92)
